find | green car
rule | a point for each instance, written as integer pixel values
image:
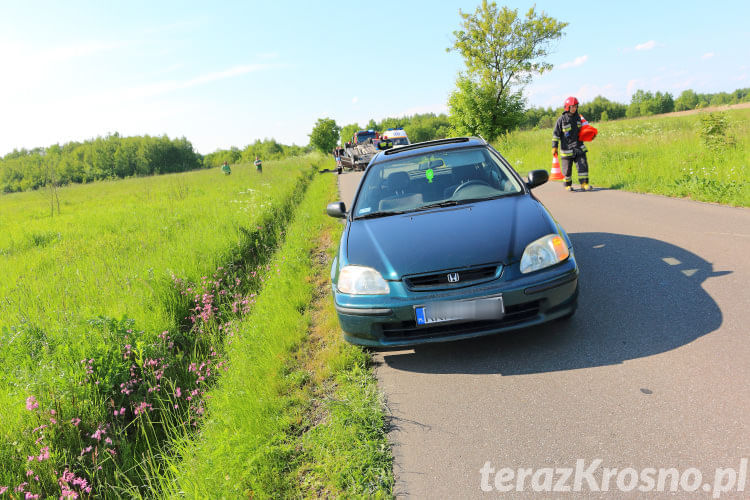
(445, 241)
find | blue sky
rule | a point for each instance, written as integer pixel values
(227, 74)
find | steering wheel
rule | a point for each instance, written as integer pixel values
(469, 183)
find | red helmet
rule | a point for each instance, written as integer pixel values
(570, 101)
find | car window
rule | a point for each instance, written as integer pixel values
(445, 177)
(362, 137)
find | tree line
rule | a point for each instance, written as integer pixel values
(268, 149)
(116, 157)
(108, 157)
(419, 127)
(642, 103)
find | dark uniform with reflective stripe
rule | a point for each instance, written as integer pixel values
(571, 150)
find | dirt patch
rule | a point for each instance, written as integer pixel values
(709, 109)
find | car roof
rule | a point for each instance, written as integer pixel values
(429, 147)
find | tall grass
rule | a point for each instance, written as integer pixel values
(164, 254)
(663, 154)
(298, 413)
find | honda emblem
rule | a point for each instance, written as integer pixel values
(453, 278)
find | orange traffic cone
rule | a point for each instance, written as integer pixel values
(556, 172)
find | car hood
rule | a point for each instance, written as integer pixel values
(448, 238)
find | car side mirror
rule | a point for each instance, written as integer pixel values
(537, 178)
(336, 209)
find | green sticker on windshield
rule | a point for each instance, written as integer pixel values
(429, 174)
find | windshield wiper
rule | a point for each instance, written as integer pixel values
(375, 215)
(446, 203)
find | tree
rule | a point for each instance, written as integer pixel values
(594, 110)
(501, 52)
(325, 135)
(687, 100)
(646, 104)
(348, 131)
(475, 110)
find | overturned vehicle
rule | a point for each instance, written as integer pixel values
(361, 149)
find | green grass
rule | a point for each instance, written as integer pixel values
(138, 250)
(662, 154)
(298, 413)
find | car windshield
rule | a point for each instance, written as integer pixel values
(400, 141)
(443, 178)
(362, 137)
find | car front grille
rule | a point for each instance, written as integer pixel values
(409, 330)
(441, 280)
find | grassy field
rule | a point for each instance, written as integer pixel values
(662, 154)
(114, 314)
(298, 413)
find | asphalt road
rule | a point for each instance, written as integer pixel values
(652, 371)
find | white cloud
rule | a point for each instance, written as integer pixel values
(164, 87)
(355, 99)
(646, 46)
(632, 86)
(578, 61)
(708, 55)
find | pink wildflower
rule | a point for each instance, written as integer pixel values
(178, 392)
(31, 496)
(31, 403)
(75, 421)
(3, 489)
(99, 434)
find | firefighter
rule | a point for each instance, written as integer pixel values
(572, 150)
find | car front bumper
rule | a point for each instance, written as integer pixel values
(390, 320)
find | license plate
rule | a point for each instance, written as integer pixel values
(460, 310)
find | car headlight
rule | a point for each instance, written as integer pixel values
(544, 252)
(359, 280)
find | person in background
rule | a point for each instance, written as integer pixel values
(258, 164)
(225, 168)
(572, 150)
(337, 155)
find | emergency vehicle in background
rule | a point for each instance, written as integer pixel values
(397, 136)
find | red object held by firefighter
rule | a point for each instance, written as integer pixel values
(587, 133)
